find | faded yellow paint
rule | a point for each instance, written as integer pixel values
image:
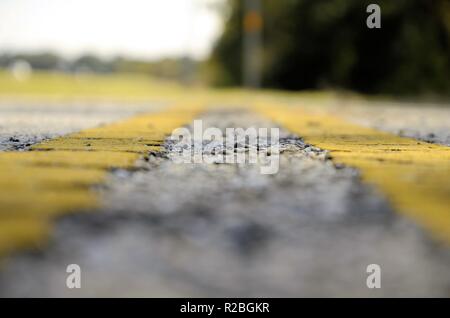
(22, 232)
(84, 159)
(56, 176)
(414, 175)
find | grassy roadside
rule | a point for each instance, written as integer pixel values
(60, 86)
(55, 86)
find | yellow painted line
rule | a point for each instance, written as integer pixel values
(56, 176)
(413, 175)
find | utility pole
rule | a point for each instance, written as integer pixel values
(252, 46)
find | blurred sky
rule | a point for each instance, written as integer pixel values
(138, 28)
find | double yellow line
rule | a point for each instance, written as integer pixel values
(56, 176)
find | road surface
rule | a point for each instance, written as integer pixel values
(96, 185)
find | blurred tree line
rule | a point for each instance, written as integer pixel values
(167, 68)
(310, 44)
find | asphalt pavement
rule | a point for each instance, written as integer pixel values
(226, 230)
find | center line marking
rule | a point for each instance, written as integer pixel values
(56, 176)
(414, 175)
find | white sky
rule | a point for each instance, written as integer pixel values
(139, 28)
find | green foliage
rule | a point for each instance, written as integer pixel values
(311, 44)
(39, 61)
(182, 68)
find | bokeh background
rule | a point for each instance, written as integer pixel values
(305, 44)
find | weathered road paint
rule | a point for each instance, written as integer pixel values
(56, 176)
(414, 175)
